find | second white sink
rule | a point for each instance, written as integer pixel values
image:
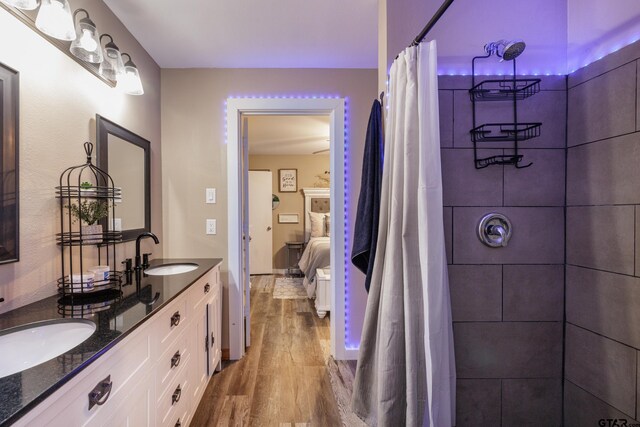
(170, 269)
(26, 346)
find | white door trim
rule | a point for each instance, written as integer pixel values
(335, 108)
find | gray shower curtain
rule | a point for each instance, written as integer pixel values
(406, 372)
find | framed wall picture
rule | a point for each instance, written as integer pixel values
(9, 218)
(288, 218)
(288, 179)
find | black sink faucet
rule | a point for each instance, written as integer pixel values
(138, 239)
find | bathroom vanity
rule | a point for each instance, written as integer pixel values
(147, 364)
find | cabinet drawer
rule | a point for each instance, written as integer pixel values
(170, 323)
(172, 362)
(203, 289)
(125, 367)
(175, 398)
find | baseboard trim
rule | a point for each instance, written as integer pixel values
(280, 271)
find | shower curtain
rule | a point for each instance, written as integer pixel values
(406, 371)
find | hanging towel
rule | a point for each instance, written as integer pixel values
(365, 233)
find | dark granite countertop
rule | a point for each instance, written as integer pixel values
(22, 391)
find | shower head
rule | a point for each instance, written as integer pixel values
(506, 50)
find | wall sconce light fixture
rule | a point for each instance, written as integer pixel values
(22, 4)
(86, 46)
(80, 39)
(54, 19)
(129, 82)
(112, 66)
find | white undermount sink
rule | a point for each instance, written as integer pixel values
(26, 346)
(169, 269)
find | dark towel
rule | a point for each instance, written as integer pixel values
(365, 233)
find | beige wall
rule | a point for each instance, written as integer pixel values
(308, 167)
(195, 154)
(58, 103)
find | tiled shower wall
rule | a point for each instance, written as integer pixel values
(507, 303)
(603, 241)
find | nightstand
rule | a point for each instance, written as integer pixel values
(294, 248)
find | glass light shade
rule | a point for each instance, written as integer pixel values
(22, 4)
(54, 19)
(111, 66)
(86, 46)
(130, 82)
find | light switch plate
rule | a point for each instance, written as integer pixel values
(211, 226)
(210, 195)
(117, 224)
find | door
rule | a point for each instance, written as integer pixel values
(246, 260)
(260, 222)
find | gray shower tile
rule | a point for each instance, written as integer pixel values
(581, 408)
(454, 82)
(550, 109)
(476, 292)
(464, 185)
(601, 237)
(605, 303)
(603, 107)
(541, 184)
(532, 402)
(445, 98)
(603, 367)
(637, 241)
(609, 62)
(604, 172)
(508, 349)
(533, 292)
(538, 236)
(447, 215)
(478, 403)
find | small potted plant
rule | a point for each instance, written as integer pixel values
(89, 212)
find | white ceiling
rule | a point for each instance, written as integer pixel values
(254, 33)
(288, 135)
(561, 35)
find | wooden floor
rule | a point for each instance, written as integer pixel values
(283, 379)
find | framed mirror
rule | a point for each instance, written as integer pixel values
(126, 157)
(9, 213)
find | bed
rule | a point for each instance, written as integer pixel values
(317, 251)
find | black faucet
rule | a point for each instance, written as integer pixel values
(140, 237)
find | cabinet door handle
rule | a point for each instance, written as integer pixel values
(175, 319)
(175, 360)
(175, 398)
(213, 339)
(178, 424)
(100, 393)
(207, 288)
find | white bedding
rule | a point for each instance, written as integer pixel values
(316, 255)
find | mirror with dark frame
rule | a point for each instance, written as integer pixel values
(9, 212)
(126, 157)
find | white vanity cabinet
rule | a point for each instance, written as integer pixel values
(155, 376)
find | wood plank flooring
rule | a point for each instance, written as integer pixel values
(283, 379)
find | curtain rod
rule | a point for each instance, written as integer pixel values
(431, 23)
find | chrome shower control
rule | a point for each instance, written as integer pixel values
(494, 230)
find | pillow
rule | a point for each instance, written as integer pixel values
(327, 224)
(317, 224)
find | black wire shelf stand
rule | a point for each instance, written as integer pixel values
(87, 188)
(511, 89)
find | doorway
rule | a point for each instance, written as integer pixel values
(237, 155)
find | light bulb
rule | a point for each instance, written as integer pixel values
(87, 42)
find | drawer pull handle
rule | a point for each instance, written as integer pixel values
(100, 394)
(178, 424)
(175, 398)
(207, 288)
(175, 360)
(175, 319)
